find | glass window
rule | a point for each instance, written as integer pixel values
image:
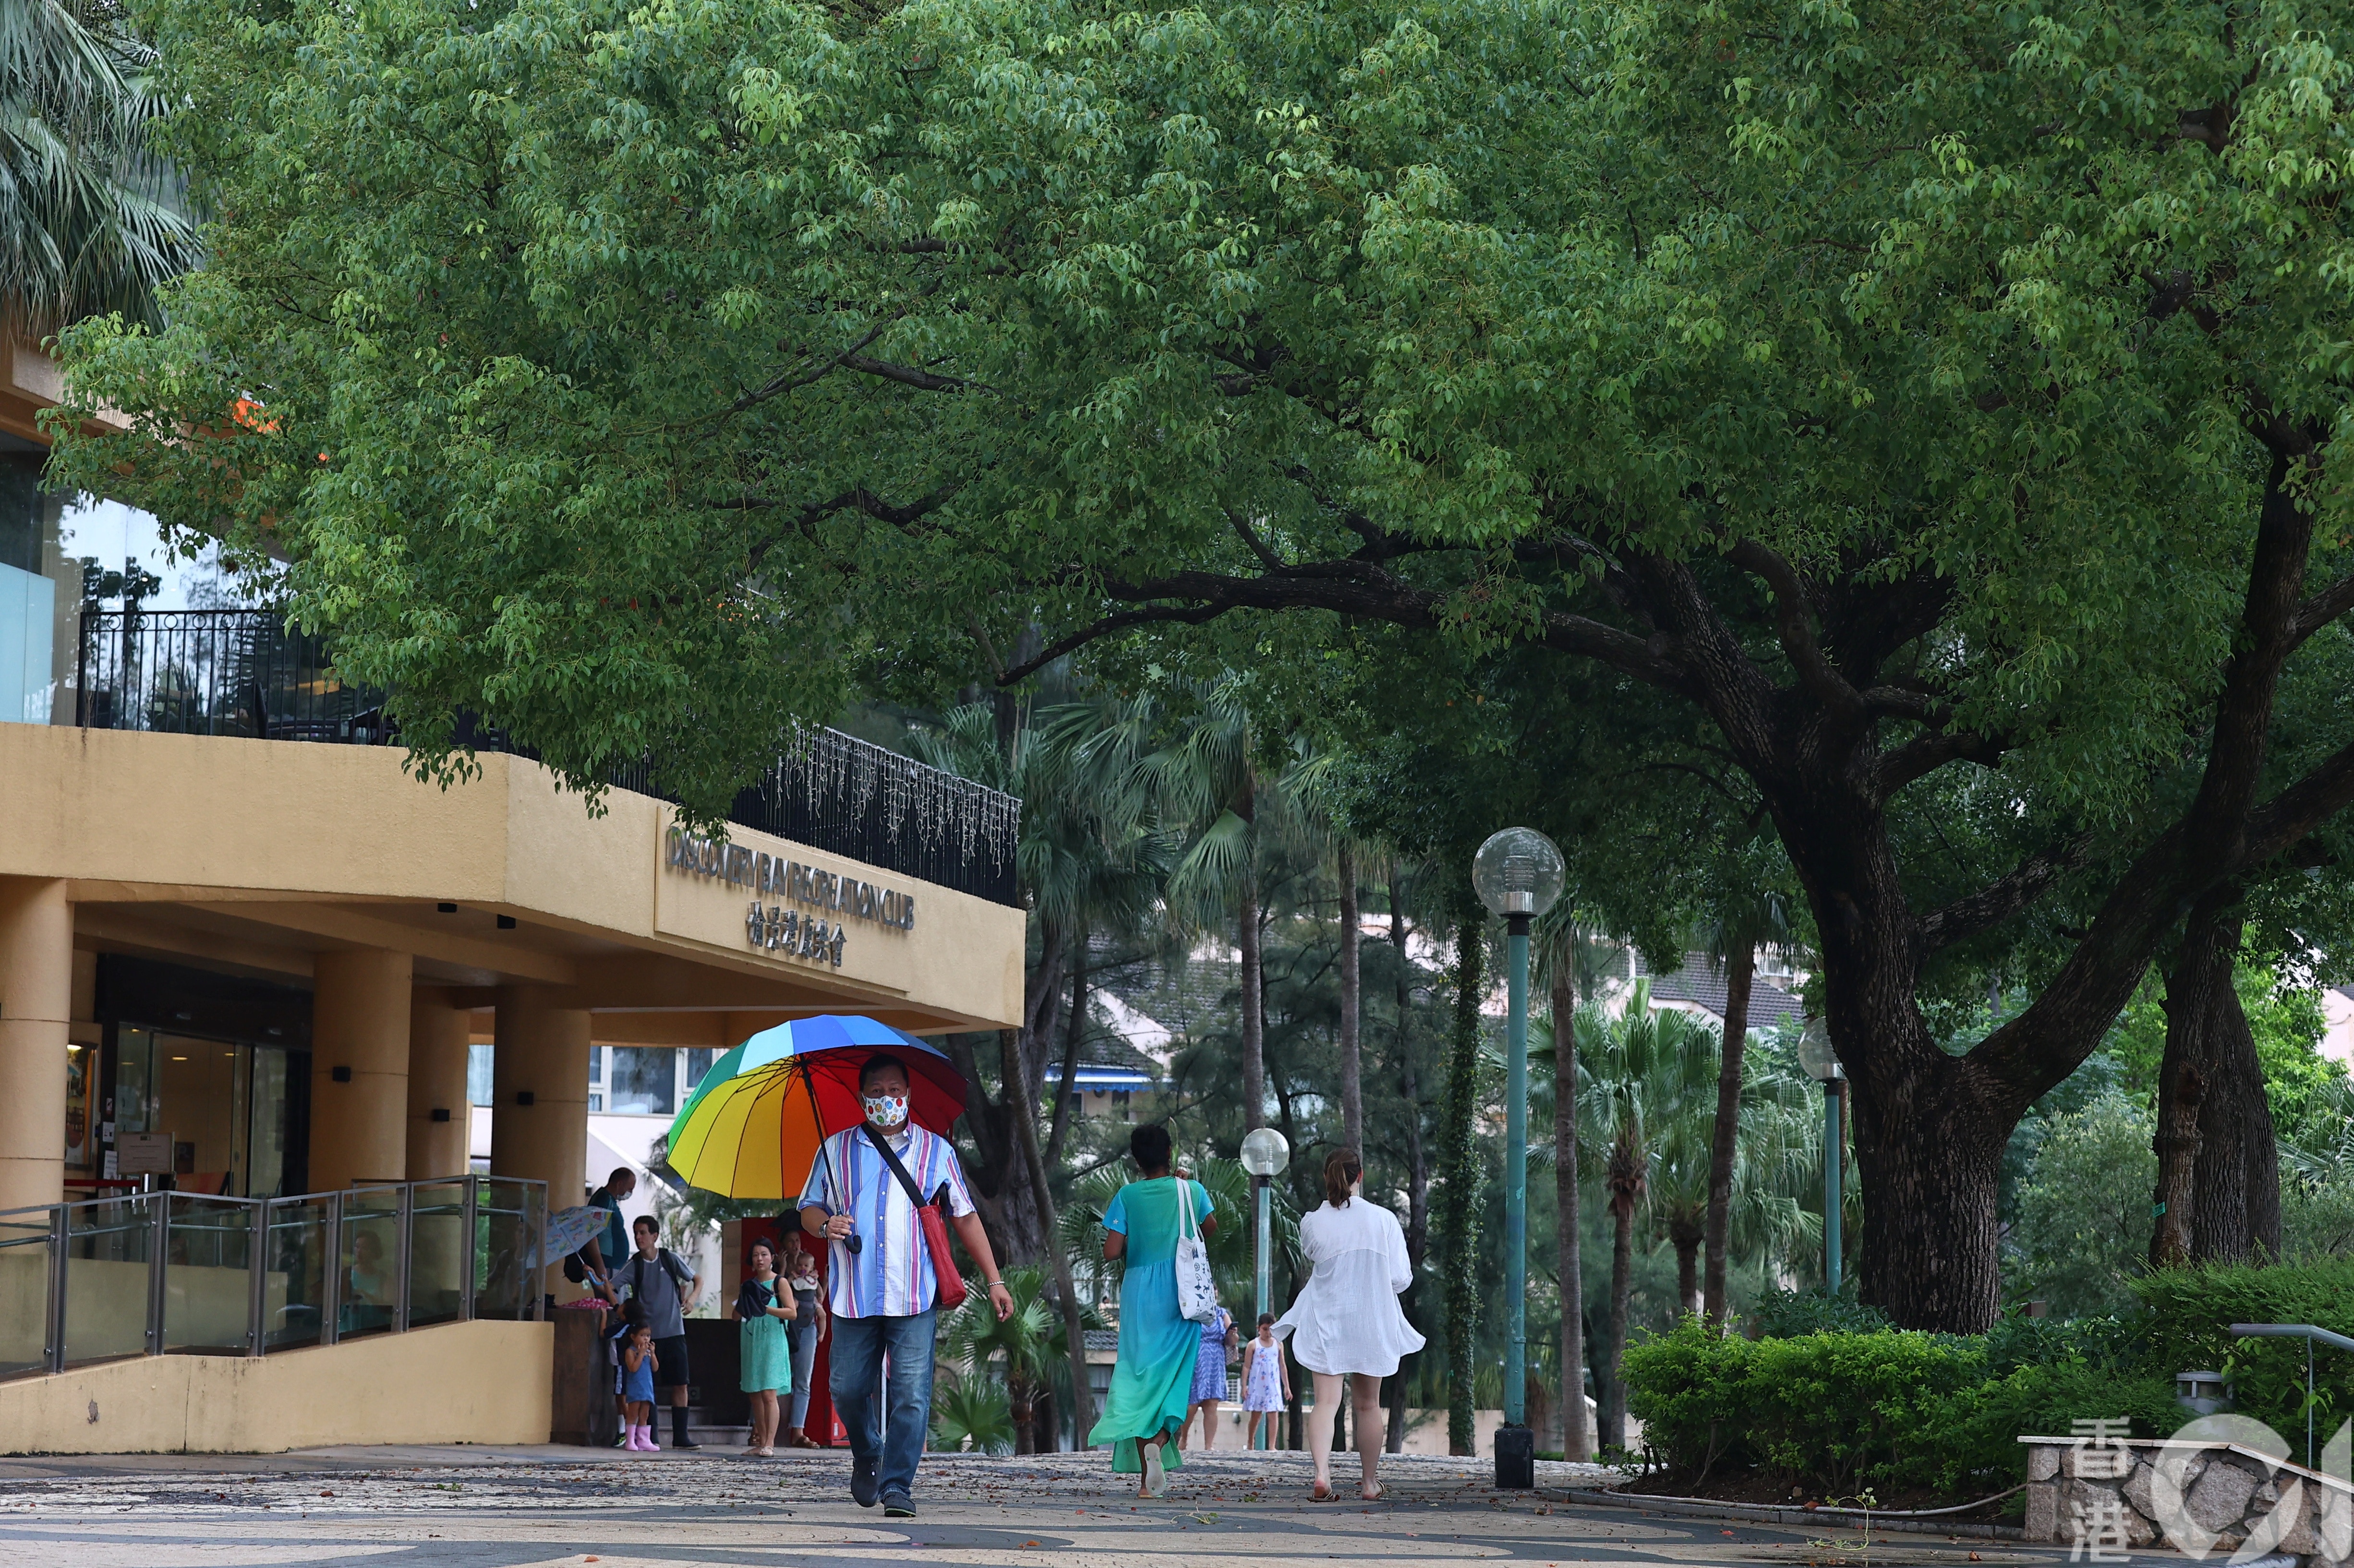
(478, 1075)
(698, 1061)
(641, 1080)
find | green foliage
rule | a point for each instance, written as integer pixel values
(2190, 1309)
(2083, 1232)
(1834, 1410)
(1790, 1314)
(971, 1412)
(1829, 1411)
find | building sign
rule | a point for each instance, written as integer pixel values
(772, 926)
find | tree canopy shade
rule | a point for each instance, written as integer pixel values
(1936, 401)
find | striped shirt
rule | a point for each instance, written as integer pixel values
(891, 1275)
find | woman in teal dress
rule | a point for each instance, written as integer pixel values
(764, 1351)
(1153, 1381)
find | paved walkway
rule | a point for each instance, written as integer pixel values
(566, 1508)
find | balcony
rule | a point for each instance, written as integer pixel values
(242, 672)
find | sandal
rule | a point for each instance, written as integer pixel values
(1321, 1492)
(1376, 1495)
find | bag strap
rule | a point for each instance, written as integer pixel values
(1185, 1209)
(914, 1194)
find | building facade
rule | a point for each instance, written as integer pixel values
(246, 956)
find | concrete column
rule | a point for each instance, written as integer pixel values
(359, 1029)
(539, 1078)
(36, 1009)
(436, 1082)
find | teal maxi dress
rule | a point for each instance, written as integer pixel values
(1153, 1381)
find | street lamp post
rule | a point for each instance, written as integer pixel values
(1821, 1064)
(1518, 873)
(1265, 1153)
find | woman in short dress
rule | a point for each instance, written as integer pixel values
(1346, 1323)
(1210, 1374)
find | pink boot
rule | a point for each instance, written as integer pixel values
(646, 1438)
(637, 1443)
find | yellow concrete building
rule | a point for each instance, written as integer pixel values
(246, 958)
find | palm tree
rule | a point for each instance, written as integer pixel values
(89, 219)
(1199, 769)
(1637, 1077)
(1019, 1351)
(1083, 863)
(1569, 961)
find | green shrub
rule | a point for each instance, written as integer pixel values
(1834, 1413)
(1831, 1411)
(1969, 1441)
(2191, 1311)
(1787, 1314)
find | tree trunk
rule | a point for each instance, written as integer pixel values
(1417, 1191)
(1686, 1241)
(1352, 1094)
(1017, 1401)
(1460, 1167)
(1254, 1016)
(1576, 1440)
(1073, 1036)
(1740, 967)
(1622, 1272)
(2219, 1172)
(1025, 1122)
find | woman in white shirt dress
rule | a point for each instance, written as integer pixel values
(1346, 1323)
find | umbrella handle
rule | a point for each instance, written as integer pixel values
(854, 1242)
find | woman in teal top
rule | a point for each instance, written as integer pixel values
(1153, 1381)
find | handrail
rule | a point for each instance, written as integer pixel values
(291, 1269)
(2312, 1334)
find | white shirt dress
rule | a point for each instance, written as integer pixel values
(1347, 1320)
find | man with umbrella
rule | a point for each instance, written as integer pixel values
(881, 1280)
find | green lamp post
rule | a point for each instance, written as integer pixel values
(1265, 1153)
(1518, 873)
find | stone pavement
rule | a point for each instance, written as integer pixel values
(566, 1508)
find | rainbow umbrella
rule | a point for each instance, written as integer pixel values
(752, 1126)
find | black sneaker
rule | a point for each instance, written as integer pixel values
(684, 1443)
(861, 1482)
(898, 1504)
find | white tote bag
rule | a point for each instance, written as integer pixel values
(1197, 1293)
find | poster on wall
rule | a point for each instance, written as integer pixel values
(79, 1060)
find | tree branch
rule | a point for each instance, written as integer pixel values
(2001, 899)
(1791, 624)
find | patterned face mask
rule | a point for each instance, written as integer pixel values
(886, 1111)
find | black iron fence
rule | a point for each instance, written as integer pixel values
(235, 671)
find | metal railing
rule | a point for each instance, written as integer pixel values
(185, 1273)
(240, 672)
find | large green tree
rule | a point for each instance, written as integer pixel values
(1921, 407)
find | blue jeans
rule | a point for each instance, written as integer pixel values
(856, 1378)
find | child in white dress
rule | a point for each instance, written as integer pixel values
(1346, 1323)
(1266, 1381)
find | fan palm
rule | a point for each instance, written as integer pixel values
(971, 1412)
(90, 220)
(1199, 771)
(1018, 1351)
